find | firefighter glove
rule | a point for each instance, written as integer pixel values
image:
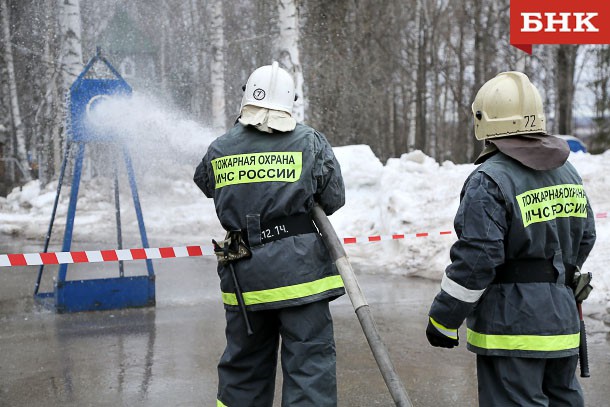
(440, 336)
(581, 284)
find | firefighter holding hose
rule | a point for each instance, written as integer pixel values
(277, 278)
(525, 227)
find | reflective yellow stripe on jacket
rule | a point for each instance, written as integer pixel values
(286, 293)
(220, 403)
(541, 343)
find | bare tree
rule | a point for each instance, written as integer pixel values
(47, 122)
(601, 88)
(458, 88)
(288, 50)
(566, 66)
(419, 142)
(18, 128)
(218, 77)
(163, 51)
(72, 56)
(196, 58)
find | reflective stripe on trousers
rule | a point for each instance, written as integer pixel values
(286, 293)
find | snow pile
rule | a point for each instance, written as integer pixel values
(410, 194)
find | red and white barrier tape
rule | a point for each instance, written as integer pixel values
(97, 256)
(396, 236)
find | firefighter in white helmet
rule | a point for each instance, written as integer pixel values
(525, 228)
(265, 175)
(268, 99)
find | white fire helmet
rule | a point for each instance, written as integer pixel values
(270, 87)
(506, 105)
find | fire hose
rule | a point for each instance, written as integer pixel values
(362, 309)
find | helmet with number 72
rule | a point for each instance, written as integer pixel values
(507, 105)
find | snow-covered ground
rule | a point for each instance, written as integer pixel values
(411, 194)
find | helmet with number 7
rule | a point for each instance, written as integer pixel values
(506, 105)
(270, 87)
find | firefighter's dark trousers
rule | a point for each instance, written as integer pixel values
(246, 370)
(526, 382)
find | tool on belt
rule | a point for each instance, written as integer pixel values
(229, 250)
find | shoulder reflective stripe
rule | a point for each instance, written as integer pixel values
(284, 166)
(457, 291)
(558, 201)
(448, 332)
(543, 343)
(286, 293)
(220, 403)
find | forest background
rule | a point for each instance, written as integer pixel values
(398, 75)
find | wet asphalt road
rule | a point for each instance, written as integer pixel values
(166, 355)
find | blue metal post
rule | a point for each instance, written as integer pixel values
(53, 213)
(136, 204)
(78, 169)
(117, 212)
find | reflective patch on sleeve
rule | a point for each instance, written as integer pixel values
(457, 291)
(275, 166)
(448, 332)
(558, 201)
